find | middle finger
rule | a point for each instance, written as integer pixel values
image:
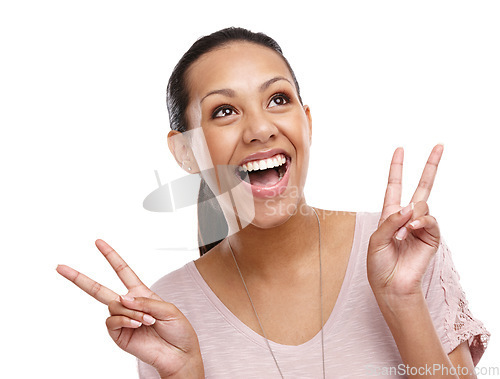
(94, 289)
(427, 179)
(122, 269)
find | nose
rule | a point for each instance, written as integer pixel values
(258, 127)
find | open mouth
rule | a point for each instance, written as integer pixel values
(265, 172)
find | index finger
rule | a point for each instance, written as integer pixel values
(392, 199)
(94, 289)
(124, 272)
(427, 179)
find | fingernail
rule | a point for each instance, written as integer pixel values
(415, 224)
(126, 297)
(401, 233)
(135, 323)
(407, 209)
(149, 319)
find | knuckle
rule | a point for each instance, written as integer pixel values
(425, 184)
(432, 220)
(394, 181)
(142, 304)
(109, 322)
(109, 251)
(121, 267)
(420, 208)
(430, 162)
(156, 307)
(140, 301)
(76, 278)
(393, 218)
(136, 315)
(94, 289)
(422, 204)
(113, 306)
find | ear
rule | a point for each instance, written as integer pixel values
(307, 111)
(180, 148)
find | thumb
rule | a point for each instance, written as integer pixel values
(388, 229)
(159, 309)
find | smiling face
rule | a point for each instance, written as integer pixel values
(243, 97)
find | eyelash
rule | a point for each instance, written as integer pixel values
(281, 95)
(218, 109)
(227, 106)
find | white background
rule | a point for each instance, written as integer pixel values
(84, 125)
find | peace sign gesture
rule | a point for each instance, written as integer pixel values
(401, 248)
(141, 323)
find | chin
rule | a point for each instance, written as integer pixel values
(271, 213)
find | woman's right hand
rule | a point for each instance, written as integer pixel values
(141, 323)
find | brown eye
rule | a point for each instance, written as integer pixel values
(279, 99)
(223, 111)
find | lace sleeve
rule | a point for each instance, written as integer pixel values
(459, 323)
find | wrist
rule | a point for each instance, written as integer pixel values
(412, 328)
(400, 303)
(193, 369)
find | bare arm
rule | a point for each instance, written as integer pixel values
(399, 253)
(419, 345)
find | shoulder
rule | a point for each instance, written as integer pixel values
(449, 306)
(175, 285)
(186, 289)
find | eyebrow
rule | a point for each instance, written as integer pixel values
(266, 84)
(231, 93)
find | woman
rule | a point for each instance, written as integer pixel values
(283, 289)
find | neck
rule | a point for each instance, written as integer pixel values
(284, 248)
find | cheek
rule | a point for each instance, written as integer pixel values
(305, 129)
(219, 144)
(298, 132)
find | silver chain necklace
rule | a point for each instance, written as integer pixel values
(320, 297)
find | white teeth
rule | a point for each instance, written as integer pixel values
(263, 164)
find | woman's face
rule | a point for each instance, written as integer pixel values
(244, 99)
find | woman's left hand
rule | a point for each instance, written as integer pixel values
(407, 238)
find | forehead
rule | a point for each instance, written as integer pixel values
(239, 66)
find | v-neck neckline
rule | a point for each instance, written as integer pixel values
(260, 340)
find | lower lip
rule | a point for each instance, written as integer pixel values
(274, 190)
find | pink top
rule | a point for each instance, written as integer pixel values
(357, 341)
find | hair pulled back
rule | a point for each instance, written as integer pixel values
(211, 220)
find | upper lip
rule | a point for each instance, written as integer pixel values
(264, 155)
